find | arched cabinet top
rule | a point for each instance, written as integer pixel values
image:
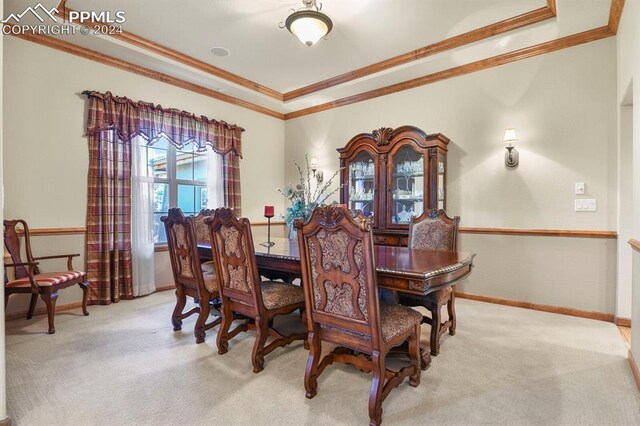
(383, 139)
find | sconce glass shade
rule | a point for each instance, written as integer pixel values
(511, 156)
(510, 136)
(309, 25)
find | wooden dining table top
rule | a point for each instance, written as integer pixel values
(403, 269)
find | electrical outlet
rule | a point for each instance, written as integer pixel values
(579, 188)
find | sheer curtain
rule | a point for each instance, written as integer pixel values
(215, 180)
(142, 244)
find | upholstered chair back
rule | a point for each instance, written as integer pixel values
(434, 230)
(339, 274)
(203, 236)
(183, 252)
(234, 257)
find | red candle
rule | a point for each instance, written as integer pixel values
(268, 211)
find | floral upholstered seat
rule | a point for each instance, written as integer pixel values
(276, 294)
(396, 320)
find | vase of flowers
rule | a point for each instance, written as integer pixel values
(304, 198)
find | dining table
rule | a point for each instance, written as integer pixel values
(399, 269)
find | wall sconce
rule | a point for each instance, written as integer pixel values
(313, 165)
(511, 156)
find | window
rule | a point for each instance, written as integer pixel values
(179, 178)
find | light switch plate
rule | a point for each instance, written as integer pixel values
(579, 188)
(585, 205)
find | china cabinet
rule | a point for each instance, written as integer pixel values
(393, 175)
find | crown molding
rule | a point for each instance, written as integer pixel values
(179, 57)
(615, 13)
(498, 28)
(454, 42)
(92, 55)
(483, 64)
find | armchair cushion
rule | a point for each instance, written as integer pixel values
(47, 279)
(397, 319)
(276, 294)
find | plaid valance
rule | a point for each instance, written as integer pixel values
(130, 119)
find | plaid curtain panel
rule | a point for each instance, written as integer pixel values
(111, 124)
(109, 219)
(231, 165)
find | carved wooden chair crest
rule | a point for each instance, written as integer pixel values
(339, 276)
(190, 278)
(242, 292)
(434, 230)
(29, 279)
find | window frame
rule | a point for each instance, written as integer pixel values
(171, 180)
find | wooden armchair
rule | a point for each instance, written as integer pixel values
(434, 230)
(339, 276)
(29, 279)
(242, 292)
(190, 277)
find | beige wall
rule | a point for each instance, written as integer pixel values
(626, 60)
(628, 69)
(563, 106)
(3, 384)
(46, 156)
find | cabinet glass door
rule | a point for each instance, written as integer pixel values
(407, 185)
(442, 169)
(362, 183)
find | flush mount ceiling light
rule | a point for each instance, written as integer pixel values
(308, 23)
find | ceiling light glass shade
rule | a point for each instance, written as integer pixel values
(510, 136)
(309, 25)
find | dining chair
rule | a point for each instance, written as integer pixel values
(434, 230)
(242, 291)
(203, 236)
(342, 306)
(190, 278)
(28, 279)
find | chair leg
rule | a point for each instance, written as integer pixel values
(311, 373)
(416, 356)
(181, 301)
(223, 333)
(49, 297)
(32, 305)
(85, 296)
(6, 300)
(199, 329)
(451, 307)
(377, 386)
(435, 331)
(262, 332)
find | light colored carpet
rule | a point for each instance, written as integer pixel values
(123, 365)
